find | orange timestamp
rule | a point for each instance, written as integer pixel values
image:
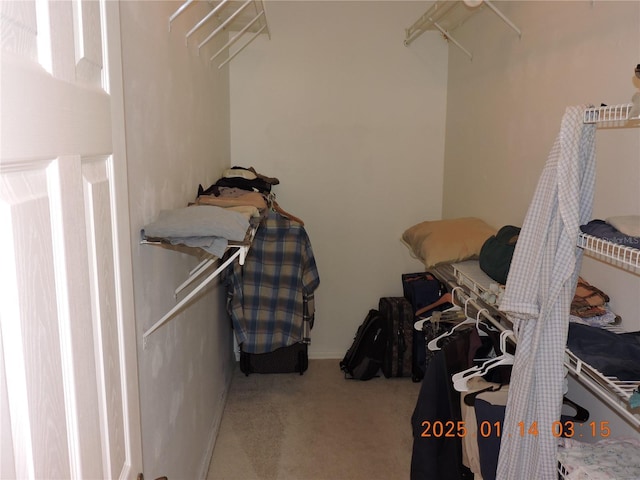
(485, 429)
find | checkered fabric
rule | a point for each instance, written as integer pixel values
(540, 286)
(270, 297)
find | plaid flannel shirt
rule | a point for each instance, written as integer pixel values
(270, 297)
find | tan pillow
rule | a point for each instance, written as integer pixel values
(447, 241)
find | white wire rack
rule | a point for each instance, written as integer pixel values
(473, 277)
(445, 16)
(240, 253)
(562, 471)
(614, 392)
(627, 258)
(228, 16)
(611, 115)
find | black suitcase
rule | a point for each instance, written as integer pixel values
(294, 358)
(422, 289)
(399, 316)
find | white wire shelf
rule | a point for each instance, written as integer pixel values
(470, 274)
(240, 253)
(611, 115)
(447, 15)
(616, 254)
(228, 16)
(612, 391)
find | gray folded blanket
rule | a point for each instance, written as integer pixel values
(204, 226)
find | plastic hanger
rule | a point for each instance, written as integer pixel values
(419, 323)
(446, 298)
(433, 344)
(476, 368)
(460, 379)
(450, 298)
(581, 415)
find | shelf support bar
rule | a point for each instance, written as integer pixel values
(503, 17)
(182, 8)
(191, 294)
(237, 36)
(439, 11)
(225, 23)
(453, 40)
(204, 20)
(195, 273)
(255, 35)
(421, 25)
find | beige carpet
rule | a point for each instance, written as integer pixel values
(317, 426)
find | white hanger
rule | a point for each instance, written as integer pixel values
(433, 344)
(458, 375)
(419, 323)
(460, 379)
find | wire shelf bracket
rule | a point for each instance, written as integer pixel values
(229, 16)
(239, 254)
(445, 16)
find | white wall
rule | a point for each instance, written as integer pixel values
(177, 127)
(352, 123)
(505, 107)
(504, 112)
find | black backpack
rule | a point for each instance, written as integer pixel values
(364, 358)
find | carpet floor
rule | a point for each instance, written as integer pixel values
(316, 426)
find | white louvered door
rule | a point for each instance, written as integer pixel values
(68, 371)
